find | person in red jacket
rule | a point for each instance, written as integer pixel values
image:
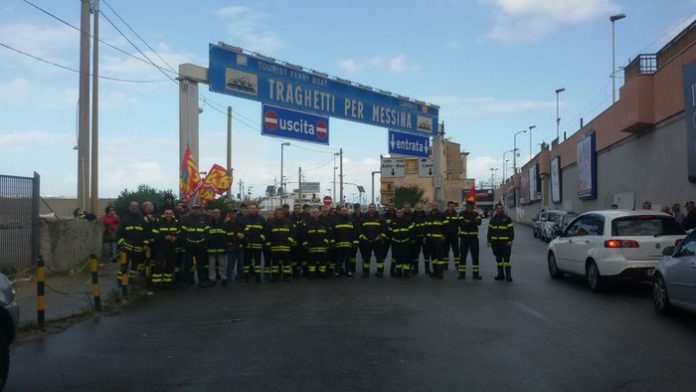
(111, 225)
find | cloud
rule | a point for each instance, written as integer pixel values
(15, 93)
(30, 139)
(454, 106)
(531, 20)
(398, 64)
(249, 29)
(479, 167)
(677, 28)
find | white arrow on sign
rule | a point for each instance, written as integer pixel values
(393, 142)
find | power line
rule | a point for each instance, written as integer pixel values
(65, 67)
(138, 35)
(87, 33)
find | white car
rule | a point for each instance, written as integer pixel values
(553, 221)
(613, 244)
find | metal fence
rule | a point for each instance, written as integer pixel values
(19, 222)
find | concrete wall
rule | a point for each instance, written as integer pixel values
(66, 244)
(64, 206)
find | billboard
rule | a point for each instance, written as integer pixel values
(251, 76)
(524, 188)
(556, 189)
(587, 167)
(279, 122)
(689, 77)
(510, 198)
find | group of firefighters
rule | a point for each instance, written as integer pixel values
(168, 248)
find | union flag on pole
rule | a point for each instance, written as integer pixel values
(217, 180)
(471, 196)
(189, 178)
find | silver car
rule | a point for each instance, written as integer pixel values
(674, 282)
(9, 318)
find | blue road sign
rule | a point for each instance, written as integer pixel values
(407, 144)
(266, 80)
(290, 124)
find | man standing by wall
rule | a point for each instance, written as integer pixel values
(500, 236)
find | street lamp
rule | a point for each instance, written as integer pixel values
(514, 155)
(373, 185)
(282, 186)
(613, 20)
(530, 140)
(504, 160)
(558, 117)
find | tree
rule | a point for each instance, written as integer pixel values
(141, 194)
(408, 194)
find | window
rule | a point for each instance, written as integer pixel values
(411, 166)
(586, 225)
(646, 226)
(688, 247)
(574, 227)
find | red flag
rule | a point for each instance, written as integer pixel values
(217, 180)
(471, 196)
(189, 178)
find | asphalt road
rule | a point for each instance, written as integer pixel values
(534, 334)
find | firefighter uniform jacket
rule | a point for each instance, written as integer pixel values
(316, 236)
(356, 220)
(133, 233)
(232, 228)
(253, 228)
(216, 237)
(372, 228)
(279, 235)
(500, 229)
(168, 228)
(343, 232)
(401, 230)
(389, 217)
(298, 226)
(194, 229)
(451, 223)
(418, 219)
(469, 223)
(434, 227)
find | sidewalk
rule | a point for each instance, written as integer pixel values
(66, 295)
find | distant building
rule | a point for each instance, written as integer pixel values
(452, 171)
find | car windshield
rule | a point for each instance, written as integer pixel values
(646, 226)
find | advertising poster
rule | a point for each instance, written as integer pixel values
(587, 168)
(556, 196)
(689, 77)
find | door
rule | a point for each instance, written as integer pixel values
(588, 236)
(564, 245)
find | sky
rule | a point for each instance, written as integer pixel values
(491, 65)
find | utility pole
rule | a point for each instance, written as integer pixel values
(94, 199)
(334, 176)
(340, 196)
(437, 162)
(83, 119)
(299, 185)
(229, 150)
(241, 190)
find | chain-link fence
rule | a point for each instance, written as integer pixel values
(19, 222)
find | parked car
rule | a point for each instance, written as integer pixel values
(613, 244)
(553, 223)
(9, 318)
(674, 281)
(536, 221)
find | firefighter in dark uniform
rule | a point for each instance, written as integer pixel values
(252, 234)
(279, 240)
(372, 234)
(168, 229)
(401, 233)
(501, 233)
(327, 218)
(418, 218)
(216, 240)
(148, 209)
(315, 243)
(355, 219)
(194, 228)
(389, 216)
(434, 240)
(343, 240)
(297, 258)
(451, 229)
(132, 238)
(469, 222)
(234, 247)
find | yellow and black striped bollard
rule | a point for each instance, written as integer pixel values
(123, 273)
(41, 292)
(94, 270)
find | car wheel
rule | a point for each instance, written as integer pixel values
(660, 296)
(4, 360)
(594, 280)
(553, 267)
